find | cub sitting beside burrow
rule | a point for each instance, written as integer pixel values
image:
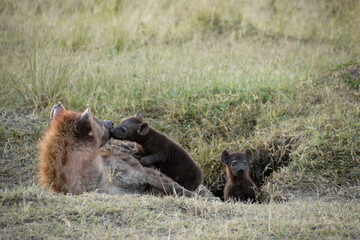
(239, 184)
(160, 151)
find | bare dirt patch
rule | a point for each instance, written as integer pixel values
(19, 133)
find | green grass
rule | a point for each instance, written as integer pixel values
(212, 75)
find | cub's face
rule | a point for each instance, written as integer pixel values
(238, 163)
(131, 129)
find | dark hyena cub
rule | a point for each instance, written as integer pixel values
(160, 151)
(239, 185)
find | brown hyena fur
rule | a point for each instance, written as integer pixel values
(71, 161)
(239, 185)
(160, 151)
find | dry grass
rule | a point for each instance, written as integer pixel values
(31, 212)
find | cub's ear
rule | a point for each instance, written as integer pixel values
(249, 155)
(224, 157)
(143, 129)
(85, 119)
(57, 111)
(139, 115)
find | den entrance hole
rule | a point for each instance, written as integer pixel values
(268, 157)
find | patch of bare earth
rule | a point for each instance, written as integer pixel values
(19, 133)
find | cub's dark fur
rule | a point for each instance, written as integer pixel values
(239, 185)
(160, 151)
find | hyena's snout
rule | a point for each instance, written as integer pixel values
(107, 127)
(241, 170)
(109, 124)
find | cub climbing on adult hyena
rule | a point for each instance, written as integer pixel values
(160, 151)
(71, 160)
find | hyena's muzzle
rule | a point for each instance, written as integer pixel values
(107, 126)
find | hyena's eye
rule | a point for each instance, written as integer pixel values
(233, 163)
(245, 162)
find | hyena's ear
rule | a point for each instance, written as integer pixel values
(143, 129)
(249, 155)
(57, 111)
(139, 115)
(224, 157)
(85, 120)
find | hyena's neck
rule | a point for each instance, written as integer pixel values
(149, 140)
(238, 181)
(91, 173)
(83, 172)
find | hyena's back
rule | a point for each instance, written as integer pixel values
(125, 174)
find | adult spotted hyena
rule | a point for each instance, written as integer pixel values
(71, 160)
